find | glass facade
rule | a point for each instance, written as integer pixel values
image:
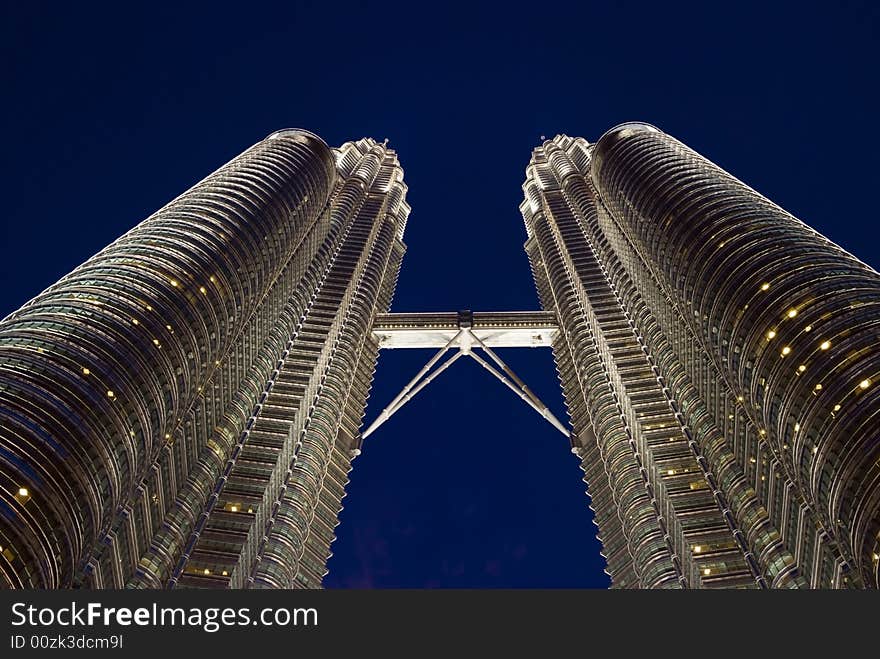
(180, 410)
(719, 361)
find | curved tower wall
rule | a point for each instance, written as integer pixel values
(128, 390)
(788, 322)
(760, 337)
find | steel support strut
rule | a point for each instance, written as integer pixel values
(466, 341)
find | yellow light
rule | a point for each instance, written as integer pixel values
(250, 510)
(771, 334)
(802, 368)
(174, 283)
(818, 387)
(837, 407)
(216, 362)
(110, 394)
(134, 321)
(234, 509)
(156, 341)
(167, 436)
(168, 327)
(23, 492)
(752, 460)
(149, 308)
(797, 427)
(792, 313)
(739, 398)
(786, 350)
(824, 345)
(721, 244)
(765, 286)
(86, 371)
(207, 571)
(864, 384)
(808, 328)
(762, 432)
(815, 449)
(671, 472)
(203, 290)
(698, 549)
(212, 278)
(225, 573)
(877, 557)
(707, 571)
(730, 416)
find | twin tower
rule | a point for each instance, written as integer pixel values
(183, 409)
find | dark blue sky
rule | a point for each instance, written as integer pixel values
(109, 113)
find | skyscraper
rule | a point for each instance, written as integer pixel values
(720, 362)
(182, 410)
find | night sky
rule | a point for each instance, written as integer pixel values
(109, 113)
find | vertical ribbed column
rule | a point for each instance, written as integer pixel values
(268, 515)
(787, 320)
(637, 543)
(297, 536)
(98, 372)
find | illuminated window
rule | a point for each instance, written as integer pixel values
(864, 384)
(786, 350)
(225, 573)
(818, 387)
(698, 549)
(110, 394)
(203, 290)
(86, 371)
(707, 571)
(824, 345)
(802, 368)
(808, 328)
(792, 313)
(207, 571)
(797, 427)
(837, 407)
(765, 286)
(174, 283)
(771, 334)
(134, 321)
(23, 492)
